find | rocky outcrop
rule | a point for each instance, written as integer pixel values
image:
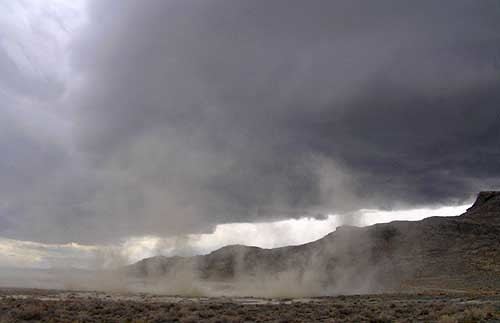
(486, 208)
(489, 198)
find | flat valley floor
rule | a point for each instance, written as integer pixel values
(35, 305)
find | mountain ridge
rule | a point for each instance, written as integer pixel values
(459, 252)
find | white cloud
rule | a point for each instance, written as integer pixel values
(36, 34)
(16, 253)
(370, 217)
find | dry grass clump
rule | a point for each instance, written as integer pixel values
(30, 312)
(471, 315)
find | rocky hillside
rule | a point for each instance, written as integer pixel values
(450, 253)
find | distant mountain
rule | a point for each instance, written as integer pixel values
(442, 253)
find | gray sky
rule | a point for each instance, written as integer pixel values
(168, 117)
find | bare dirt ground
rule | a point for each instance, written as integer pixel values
(32, 305)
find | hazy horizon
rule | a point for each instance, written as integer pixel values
(32, 255)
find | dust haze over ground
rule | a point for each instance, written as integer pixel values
(184, 279)
(276, 278)
(272, 278)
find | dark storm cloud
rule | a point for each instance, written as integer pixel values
(29, 163)
(31, 156)
(193, 113)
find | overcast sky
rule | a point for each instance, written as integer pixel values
(165, 118)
